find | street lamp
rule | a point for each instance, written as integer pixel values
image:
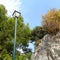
(15, 14)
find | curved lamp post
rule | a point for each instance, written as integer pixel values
(15, 14)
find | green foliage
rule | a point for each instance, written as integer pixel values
(28, 55)
(7, 35)
(37, 42)
(21, 57)
(4, 55)
(3, 12)
(38, 33)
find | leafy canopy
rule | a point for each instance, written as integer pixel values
(38, 33)
(7, 34)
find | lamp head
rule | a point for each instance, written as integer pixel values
(16, 14)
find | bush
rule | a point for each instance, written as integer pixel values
(38, 33)
(51, 21)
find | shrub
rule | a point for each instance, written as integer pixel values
(51, 21)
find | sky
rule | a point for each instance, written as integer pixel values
(11, 5)
(31, 10)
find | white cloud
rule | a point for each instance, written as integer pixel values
(11, 5)
(20, 50)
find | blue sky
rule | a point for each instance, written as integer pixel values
(32, 10)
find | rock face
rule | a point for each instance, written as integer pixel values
(48, 49)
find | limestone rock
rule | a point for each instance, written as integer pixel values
(48, 49)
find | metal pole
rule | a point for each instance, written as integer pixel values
(14, 47)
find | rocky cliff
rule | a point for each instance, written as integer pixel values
(48, 49)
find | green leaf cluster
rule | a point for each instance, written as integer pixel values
(38, 33)
(7, 35)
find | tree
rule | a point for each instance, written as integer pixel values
(38, 33)
(51, 21)
(3, 12)
(7, 34)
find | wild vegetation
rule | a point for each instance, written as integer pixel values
(51, 21)
(7, 35)
(50, 24)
